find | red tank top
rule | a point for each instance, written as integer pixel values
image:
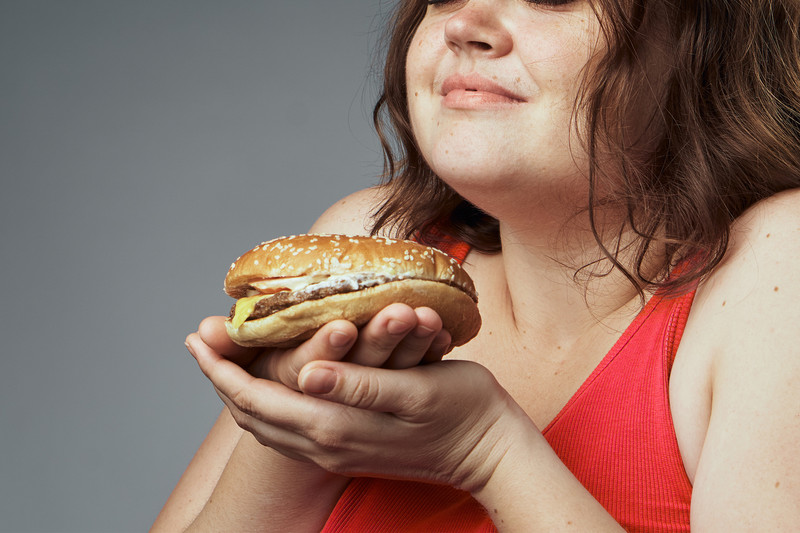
(615, 435)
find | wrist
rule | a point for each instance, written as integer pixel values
(531, 489)
(496, 449)
(511, 466)
(268, 466)
(261, 488)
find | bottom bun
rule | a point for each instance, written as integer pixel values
(291, 326)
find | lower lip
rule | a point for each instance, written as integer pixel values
(463, 99)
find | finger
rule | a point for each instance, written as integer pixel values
(330, 343)
(381, 335)
(296, 425)
(213, 332)
(373, 389)
(414, 346)
(226, 376)
(441, 346)
(266, 400)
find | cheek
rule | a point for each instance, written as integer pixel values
(419, 58)
(421, 68)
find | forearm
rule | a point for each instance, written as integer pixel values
(261, 489)
(532, 490)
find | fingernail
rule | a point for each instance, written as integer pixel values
(339, 339)
(423, 331)
(189, 347)
(397, 327)
(319, 381)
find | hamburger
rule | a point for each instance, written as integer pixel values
(287, 288)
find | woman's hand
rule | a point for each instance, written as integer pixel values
(397, 337)
(447, 422)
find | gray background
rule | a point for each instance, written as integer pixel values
(144, 144)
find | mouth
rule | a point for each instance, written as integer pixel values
(475, 91)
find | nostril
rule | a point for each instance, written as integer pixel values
(481, 45)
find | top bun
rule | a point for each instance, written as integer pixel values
(330, 254)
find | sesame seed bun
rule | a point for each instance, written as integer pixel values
(291, 286)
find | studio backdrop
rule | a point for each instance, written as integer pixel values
(144, 144)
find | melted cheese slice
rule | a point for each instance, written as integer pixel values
(244, 308)
(267, 287)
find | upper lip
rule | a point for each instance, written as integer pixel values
(476, 82)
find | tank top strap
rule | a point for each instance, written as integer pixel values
(445, 242)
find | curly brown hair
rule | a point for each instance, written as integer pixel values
(726, 114)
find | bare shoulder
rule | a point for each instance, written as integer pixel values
(760, 270)
(743, 342)
(751, 300)
(351, 215)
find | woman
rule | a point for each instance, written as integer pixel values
(624, 176)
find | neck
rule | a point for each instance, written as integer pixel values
(551, 289)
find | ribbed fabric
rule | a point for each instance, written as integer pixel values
(446, 243)
(615, 434)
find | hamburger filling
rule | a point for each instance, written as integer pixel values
(275, 295)
(261, 305)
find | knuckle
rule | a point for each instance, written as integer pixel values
(425, 396)
(337, 464)
(291, 371)
(286, 374)
(272, 366)
(364, 392)
(279, 367)
(378, 349)
(244, 403)
(327, 435)
(242, 419)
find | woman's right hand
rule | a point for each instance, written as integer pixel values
(234, 471)
(397, 337)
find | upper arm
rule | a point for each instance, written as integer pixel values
(748, 475)
(200, 477)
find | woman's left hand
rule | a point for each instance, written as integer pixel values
(447, 422)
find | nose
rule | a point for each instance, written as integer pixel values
(477, 29)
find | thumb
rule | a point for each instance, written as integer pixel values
(373, 389)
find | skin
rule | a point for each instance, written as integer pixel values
(299, 422)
